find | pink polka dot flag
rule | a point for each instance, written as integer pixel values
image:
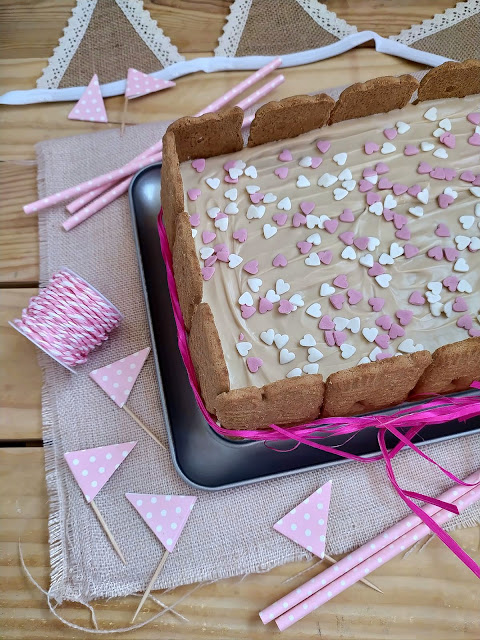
(139, 84)
(117, 379)
(90, 107)
(165, 515)
(92, 468)
(307, 524)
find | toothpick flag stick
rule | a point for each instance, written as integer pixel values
(140, 84)
(364, 580)
(92, 468)
(166, 516)
(117, 380)
(90, 107)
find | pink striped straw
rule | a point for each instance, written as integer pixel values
(362, 554)
(121, 188)
(133, 165)
(397, 546)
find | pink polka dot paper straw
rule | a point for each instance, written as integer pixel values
(129, 168)
(260, 93)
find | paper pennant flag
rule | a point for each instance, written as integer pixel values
(307, 524)
(90, 107)
(117, 379)
(139, 84)
(92, 468)
(165, 515)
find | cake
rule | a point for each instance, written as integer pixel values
(332, 266)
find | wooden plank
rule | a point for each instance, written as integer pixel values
(428, 594)
(20, 376)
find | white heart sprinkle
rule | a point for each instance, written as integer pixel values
(206, 252)
(462, 242)
(340, 194)
(311, 367)
(477, 210)
(234, 260)
(213, 183)
(475, 191)
(448, 191)
(315, 239)
(281, 340)
(340, 323)
(297, 300)
(243, 348)
(467, 221)
(308, 340)
(281, 287)
(431, 114)
(426, 146)
(354, 324)
(312, 221)
(347, 350)
(305, 162)
(221, 223)
(464, 287)
(272, 296)
(269, 198)
(284, 204)
(235, 172)
(251, 172)
(246, 298)
(423, 196)
(373, 243)
(194, 233)
(435, 287)
(376, 208)
(416, 211)
(385, 259)
(408, 346)
(213, 212)
(396, 250)
(326, 289)
(432, 297)
(286, 356)
(314, 310)
(326, 180)
(252, 188)
(402, 127)
(269, 231)
(440, 153)
(302, 182)
(389, 202)
(373, 354)
(364, 360)
(349, 253)
(367, 260)
(255, 211)
(349, 185)
(438, 132)
(346, 174)
(445, 124)
(314, 354)
(372, 179)
(294, 373)
(340, 159)
(388, 147)
(231, 194)
(370, 333)
(448, 309)
(383, 280)
(231, 208)
(474, 244)
(254, 284)
(312, 260)
(267, 336)
(436, 309)
(461, 265)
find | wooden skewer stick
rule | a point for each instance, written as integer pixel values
(124, 116)
(108, 532)
(366, 582)
(150, 584)
(145, 428)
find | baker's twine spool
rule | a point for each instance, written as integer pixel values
(68, 319)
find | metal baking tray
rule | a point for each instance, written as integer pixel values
(203, 458)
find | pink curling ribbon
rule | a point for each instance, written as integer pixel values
(436, 411)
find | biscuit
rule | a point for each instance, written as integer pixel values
(453, 368)
(451, 80)
(289, 118)
(373, 386)
(172, 187)
(293, 400)
(379, 95)
(207, 356)
(186, 269)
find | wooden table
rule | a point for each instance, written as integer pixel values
(427, 594)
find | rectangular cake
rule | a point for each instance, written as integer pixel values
(332, 266)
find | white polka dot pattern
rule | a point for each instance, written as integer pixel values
(90, 107)
(117, 379)
(140, 84)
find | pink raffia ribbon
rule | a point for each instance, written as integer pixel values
(436, 411)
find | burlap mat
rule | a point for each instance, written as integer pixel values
(229, 532)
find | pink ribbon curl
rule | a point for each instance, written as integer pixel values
(437, 411)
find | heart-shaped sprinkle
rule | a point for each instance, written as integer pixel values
(231, 208)
(304, 246)
(416, 298)
(435, 252)
(314, 310)
(305, 162)
(462, 242)
(440, 153)
(361, 242)
(315, 239)
(388, 147)
(388, 214)
(366, 260)
(424, 168)
(382, 340)
(280, 260)
(285, 156)
(251, 267)
(442, 231)
(416, 211)
(474, 244)
(286, 356)
(326, 323)
(354, 296)
(384, 322)
(254, 364)
(467, 176)
(459, 304)
(326, 289)
(311, 368)
(341, 281)
(368, 172)
(316, 162)
(390, 134)
(347, 216)
(450, 282)
(373, 198)
(404, 316)
(449, 140)
(269, 231)
(474, 139)
(371, 147)
(265, 305)
(267, 336)
(251, 172)
(465, 322)
(281, 172)
(231, 194)
(340, 159)
(307, 207)
(474, 118)
(399, 221)
(396, 331)
(281, 340)
(329, 338)
(385, 259)
(376, 270)
(383, 280)
(198, 164)
(325, 256)
(475, 191)
(243, 348)
(347, 350)
(340, 194)
(438, 173)
(208, 236)
(381, 168)
(240, 235)
(390, 202)
(347, 237)
(234, 260)
(403, 234)
(330, 225)
(444, 200)
(298, 219)
(308, 340)
(285, 204)
(364, 186)
(399, 188)
(451, 254)
(340, 337)
(337, 300)
(402, 127)
(195, 219)
(312, 260)
(213, 183)
(193, 194)
(254, 284)
(323, 146)
(411, 150)
(207, 272)
(376, 208)
(410, 250)
(247, 311)
(467, 221)
(431, 114)
(302, 182)
(377, 304)
(257, 197)
(385, 183)
(461, 265)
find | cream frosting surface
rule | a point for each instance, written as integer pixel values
(369, 267)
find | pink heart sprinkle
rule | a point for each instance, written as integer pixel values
(347, 216)
(240, 234)
(377, 304)
(460, 304)
(257, 197)
(467, 176)
(316, 162)
(411, 150)
(304, 246)
(223, 256)
(247, 311)
(381, 168)
(326, 323)
(450, 174)
(385, 183)
(449, 140)
(438, 173)
(403, 233)
(373, 197)
(251, 267)
(476, 182)
(423, 168)
(265, 305)
(382, 340)
(474, 333)
(399, 221)
(307, 207)
(280, 261)
(220, 247)
(416, 298)
(330, 225)
(354, 296)
(340, 337)
(330, 338)
(371, 147)
(414, 190)
(436, 253)
(474, 140)
(230, 164)
(474, 117)
(210, 260)
(337, 300)
(451, 254)
(280, 218)
(383, 356)
(404, 316)
(325, 256)
(465, 322)
(341, 281)
(390, 134)
(346, 237)
(442, 231)
(199, 164)
(208, 236)
(410, 250)
(369, 172)
(361, 242)
(207, 272)
(396, 331)
(376, 270)
(388, 214)
(384, 322)
(299, 219)
(254, 364)
(281, 172)
(195, 220)
(450, 282)
(323, 146)
(365, 185)
(230, 180)
(399, 188)
(193, 194)
(285, 156)
(285, 306)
